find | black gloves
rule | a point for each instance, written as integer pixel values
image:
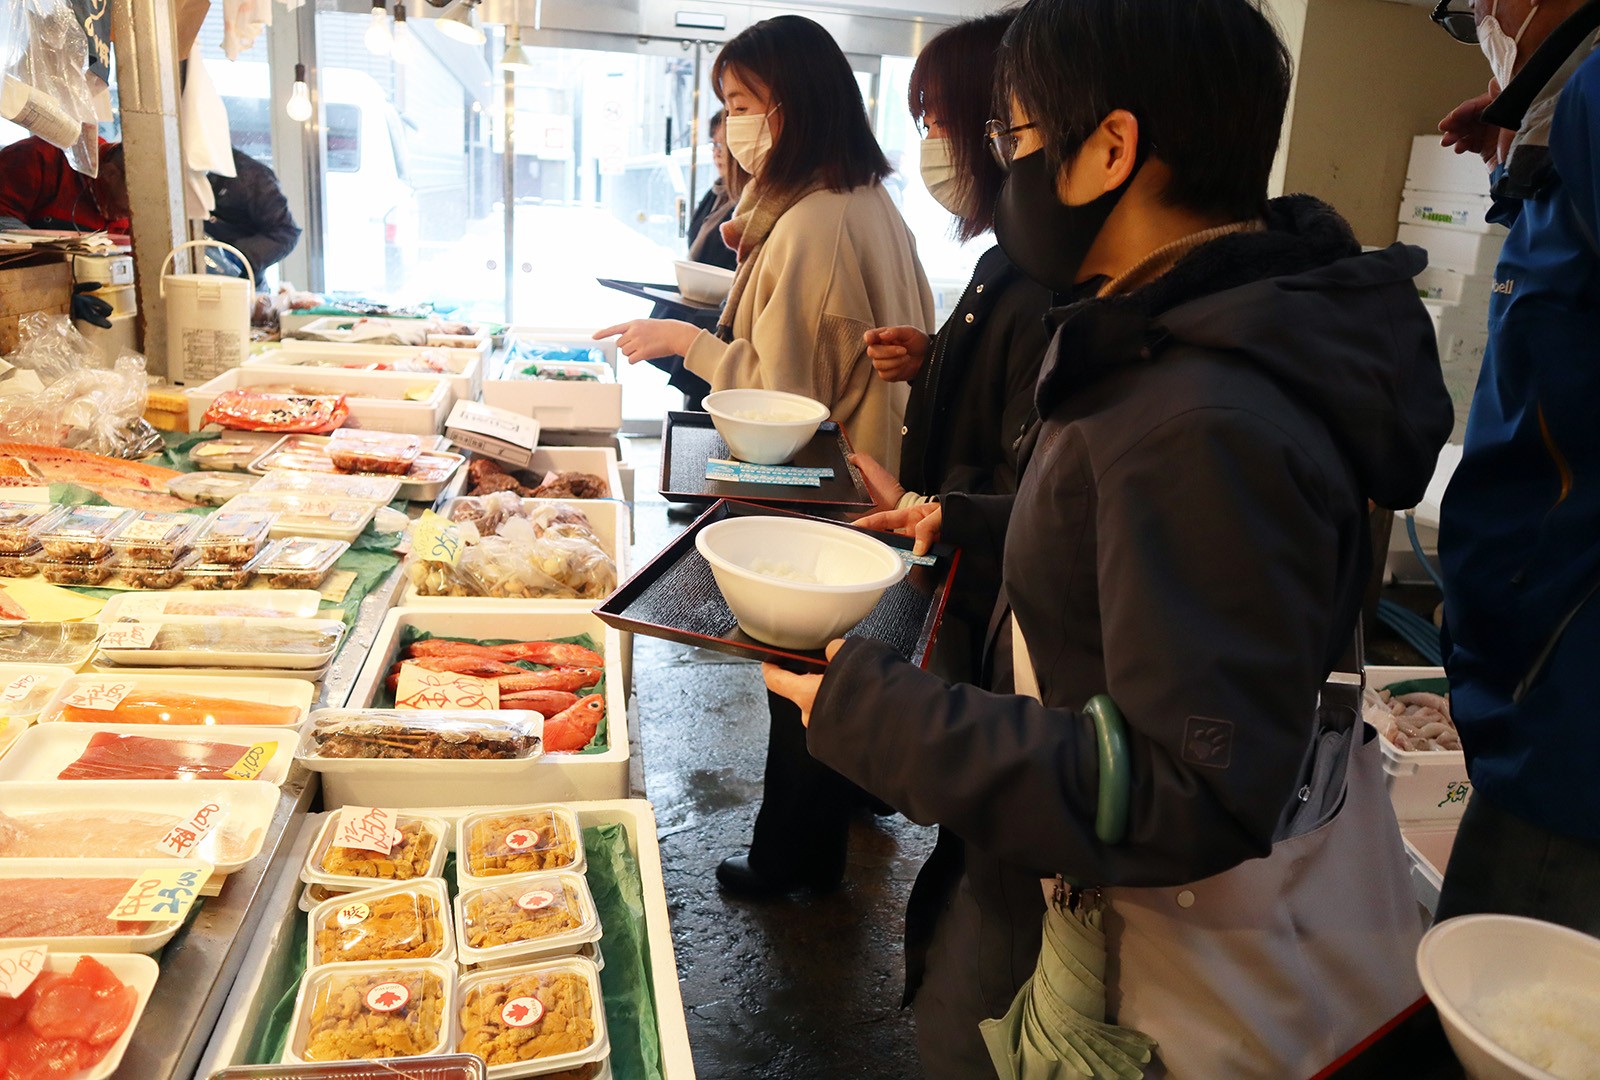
(90, 309)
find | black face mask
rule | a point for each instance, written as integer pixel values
(1046, 239)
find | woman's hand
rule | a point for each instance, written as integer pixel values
(1465, 130)
(800, 689)
(651, 339)
(922, 521)
(897, 352)
(885, 490)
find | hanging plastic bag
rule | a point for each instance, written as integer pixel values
(45, 86)
(62, 394)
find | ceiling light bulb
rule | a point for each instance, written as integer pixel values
(456, 23)
(378, 39)
(405, 43)
(299, 106)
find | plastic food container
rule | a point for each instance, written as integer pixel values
(231, 451)
(421, 852)
(84, 533)
(377, 489)
(179, 701)
(397, 922)
(327, 516)
(380, 1009)
(155, 539)
(21, 524)
(193, 641)
(212, 577)
(533, 1019)
(51, 643)
(19, 564)
(529, 918)
(290, 604)
(358, 451)
(483, 736)
(301, 564)
(76, 571)
(210, 488)
(507, 841)
(432, 1067)
(233, 538)
(157, 577)
(26, 689)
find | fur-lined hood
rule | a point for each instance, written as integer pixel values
(1342, 331)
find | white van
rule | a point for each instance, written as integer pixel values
(370, 208)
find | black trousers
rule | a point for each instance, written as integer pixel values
(803, 828)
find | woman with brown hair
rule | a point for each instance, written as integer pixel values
(824, 255)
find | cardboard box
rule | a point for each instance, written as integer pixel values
(42, 283)
(495, 433)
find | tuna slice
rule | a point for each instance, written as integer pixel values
(110, 756)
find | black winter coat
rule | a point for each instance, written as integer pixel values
(1190, 536)
(252, 214)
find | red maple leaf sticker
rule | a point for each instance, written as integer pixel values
(389, 998)
(516, 1013)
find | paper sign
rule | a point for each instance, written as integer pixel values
(366, 828)
(521, 1012)
(184, 839)
(337, 585)
(435, 539)
(420, 688)
(139, 635)
(742, 472)
(19, 967)
(105, 694)
(253, 762)
(19, 689)
(162, 895)
(49, 603)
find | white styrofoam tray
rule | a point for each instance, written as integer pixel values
(295, 356)
(47, 869)
(337, 329)
(46, 749)
(131, 969)
(245, 808)
(217, 658)
(553, 777)
(598, 461)
(263, 603)
(609, 520)
(35, 685)
(1425, 786)
(291, 693)
(377, 399)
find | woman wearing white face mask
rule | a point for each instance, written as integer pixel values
(824, 255)
(972, 383)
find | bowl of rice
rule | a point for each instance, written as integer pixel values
(1519, 998)
(764, 427)
(797, 584)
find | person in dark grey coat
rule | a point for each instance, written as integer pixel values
(1229, 383)
(252, 215)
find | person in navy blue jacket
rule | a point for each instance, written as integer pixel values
(1519, 538)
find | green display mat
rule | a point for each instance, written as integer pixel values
(613, 876)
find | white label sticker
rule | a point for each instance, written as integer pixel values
(352, 914)
(537, 900)
(139, 635)
(521, 1012)
(20, 689)
(101, 694)
(184, 838)
(387, 997)
(18, 969)
(522, 839)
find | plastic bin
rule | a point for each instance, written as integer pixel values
(1425, 786)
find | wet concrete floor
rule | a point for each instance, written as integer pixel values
(803, 989)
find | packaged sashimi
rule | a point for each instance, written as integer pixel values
(65, 1022)
(173, 707)
(78, 907)
(125, 834)
(113, 756)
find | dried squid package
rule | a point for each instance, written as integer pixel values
(285, 413)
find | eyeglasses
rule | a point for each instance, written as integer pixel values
(1003, 141)
(1461, 25)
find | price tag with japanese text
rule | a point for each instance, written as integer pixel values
(20, 689)
(134, 635)
(366, 828)
(184, 839)
(253, 762)
(435, 539)
(420, 688)
(162, 894)
(19, 967)
(101, 694)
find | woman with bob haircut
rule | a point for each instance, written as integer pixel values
(824, 256)
(1169, 813)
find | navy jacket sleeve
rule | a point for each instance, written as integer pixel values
(1216, 592)
(253, 215)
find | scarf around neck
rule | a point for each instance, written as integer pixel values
(752, 222)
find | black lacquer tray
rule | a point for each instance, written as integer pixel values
(689, 440)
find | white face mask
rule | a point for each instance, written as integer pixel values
(939, 176)
(749, 140)
(1500, 48)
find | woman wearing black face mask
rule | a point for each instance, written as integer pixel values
(1229, 383)
(972, 383)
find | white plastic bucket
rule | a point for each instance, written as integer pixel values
(208, 318)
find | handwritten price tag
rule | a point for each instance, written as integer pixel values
(435, 539)
(19, 689)
(183, 840)
(18, 969)
(366, 828)
(162, 895)
(101, 694)
(420, 688)
(253, 762)
(139, 635)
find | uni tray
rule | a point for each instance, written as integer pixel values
(435, 1067)
(690, 439)
(676, 597)
(660, 294)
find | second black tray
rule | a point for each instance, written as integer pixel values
(689, 440)
(659, 294)
(676, 597)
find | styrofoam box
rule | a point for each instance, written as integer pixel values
(595, 460)
(466, 385)
(377, 399)
(1439, 168)
(1425, 786)
(1448, 210)
(552, 778)
(570, 406)
(1469, 291)
(609, 519)
(1428, 846)
(1455, 249)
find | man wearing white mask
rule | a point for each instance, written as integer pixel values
(1517, 537)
